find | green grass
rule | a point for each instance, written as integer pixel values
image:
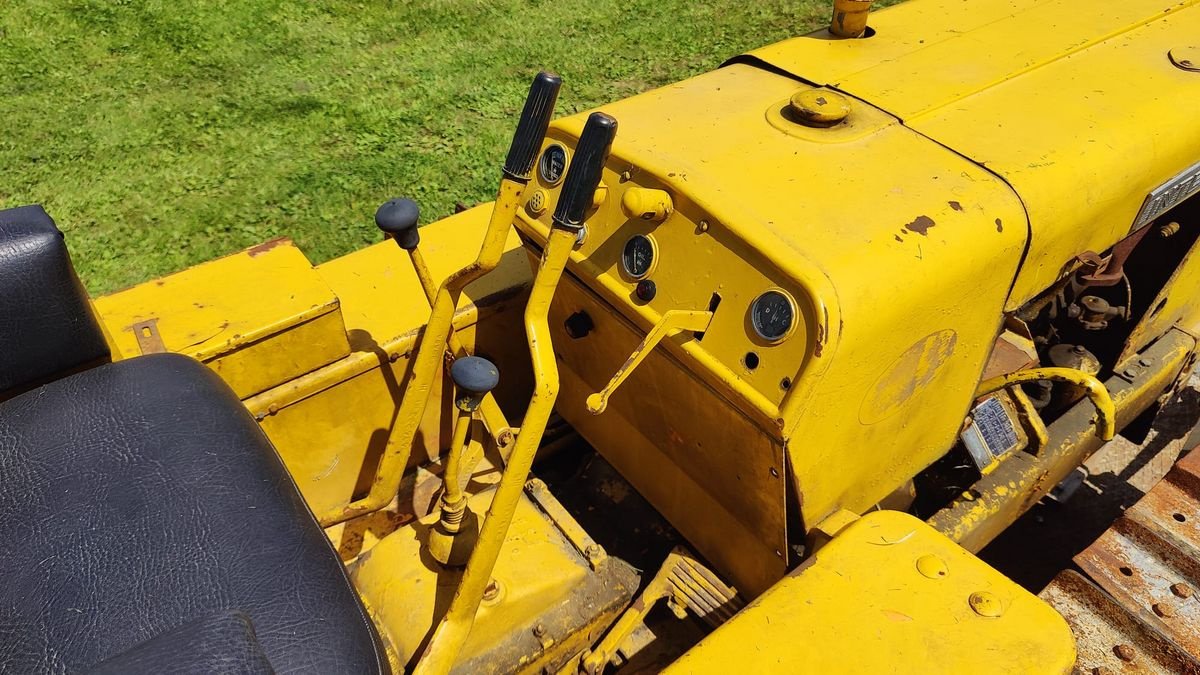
(161, 133)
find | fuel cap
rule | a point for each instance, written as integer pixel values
(818, 107)
(1186, 57)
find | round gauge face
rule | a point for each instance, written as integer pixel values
(772, 315)
(638, 256)
(552, 164)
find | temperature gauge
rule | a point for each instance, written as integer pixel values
(552, 164)
(773, 315)
(637, 258)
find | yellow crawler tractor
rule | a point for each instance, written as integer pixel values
(736, 375)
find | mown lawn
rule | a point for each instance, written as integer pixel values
(161, 133)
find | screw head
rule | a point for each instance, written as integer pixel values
(539, 630)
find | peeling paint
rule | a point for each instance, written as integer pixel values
(921, 225)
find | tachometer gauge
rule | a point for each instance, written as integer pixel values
(773, 315)
(637, 259)
(552, 164)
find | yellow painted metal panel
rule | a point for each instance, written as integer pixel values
(900, 282)
(717, 476)
(889, 594)
(259, 317)
(331, 425)
(1076, 104)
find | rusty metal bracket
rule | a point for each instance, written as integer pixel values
(148, 338)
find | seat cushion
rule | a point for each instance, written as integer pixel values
(47, 327)
(222, 643)
(140, 496)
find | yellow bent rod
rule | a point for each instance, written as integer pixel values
(489, 411)
(672, 321)
(1097, 393)
(428, 362)
(452, 632)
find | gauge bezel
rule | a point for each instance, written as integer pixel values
(542, 158)
(792, 306)
(653, 257)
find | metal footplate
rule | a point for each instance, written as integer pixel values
(1140, 611)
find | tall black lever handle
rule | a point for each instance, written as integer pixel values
(531, 128)
(583, 176)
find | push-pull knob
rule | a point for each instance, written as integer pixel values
(398, 218)
(474, 377)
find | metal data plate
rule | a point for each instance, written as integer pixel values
(991, 433)
(1168, 195)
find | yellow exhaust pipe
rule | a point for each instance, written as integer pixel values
(850, 18)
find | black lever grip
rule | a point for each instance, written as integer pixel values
(583, 176)
(531, 129)
(398, 217)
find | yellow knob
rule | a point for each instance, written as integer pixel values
(647, 204)
(819, 107)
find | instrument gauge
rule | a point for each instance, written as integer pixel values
(553, 164)
(773, 315)
(638, 256)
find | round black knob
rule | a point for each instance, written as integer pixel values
(474, 376)
(398, 217)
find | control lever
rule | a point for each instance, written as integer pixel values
(399, 219)
(583, 177)
(518, 166)
(451, 540)
(673, 320)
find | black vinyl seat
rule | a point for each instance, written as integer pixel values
(140, 498)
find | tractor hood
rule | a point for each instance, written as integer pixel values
(1026, 88)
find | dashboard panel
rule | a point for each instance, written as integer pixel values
(678, 257)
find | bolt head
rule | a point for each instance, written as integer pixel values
(1125, 653)
(986, 604)
(1181, 590)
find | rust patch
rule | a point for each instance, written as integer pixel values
(255, 251)
(999, 225)
(921, 225)
(955, 205)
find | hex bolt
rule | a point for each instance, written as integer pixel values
(539, 631)
(1181, 590)
(492, 591)
(1163, 610)
(1130, 373)
(1125, 653)
(593, 552)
